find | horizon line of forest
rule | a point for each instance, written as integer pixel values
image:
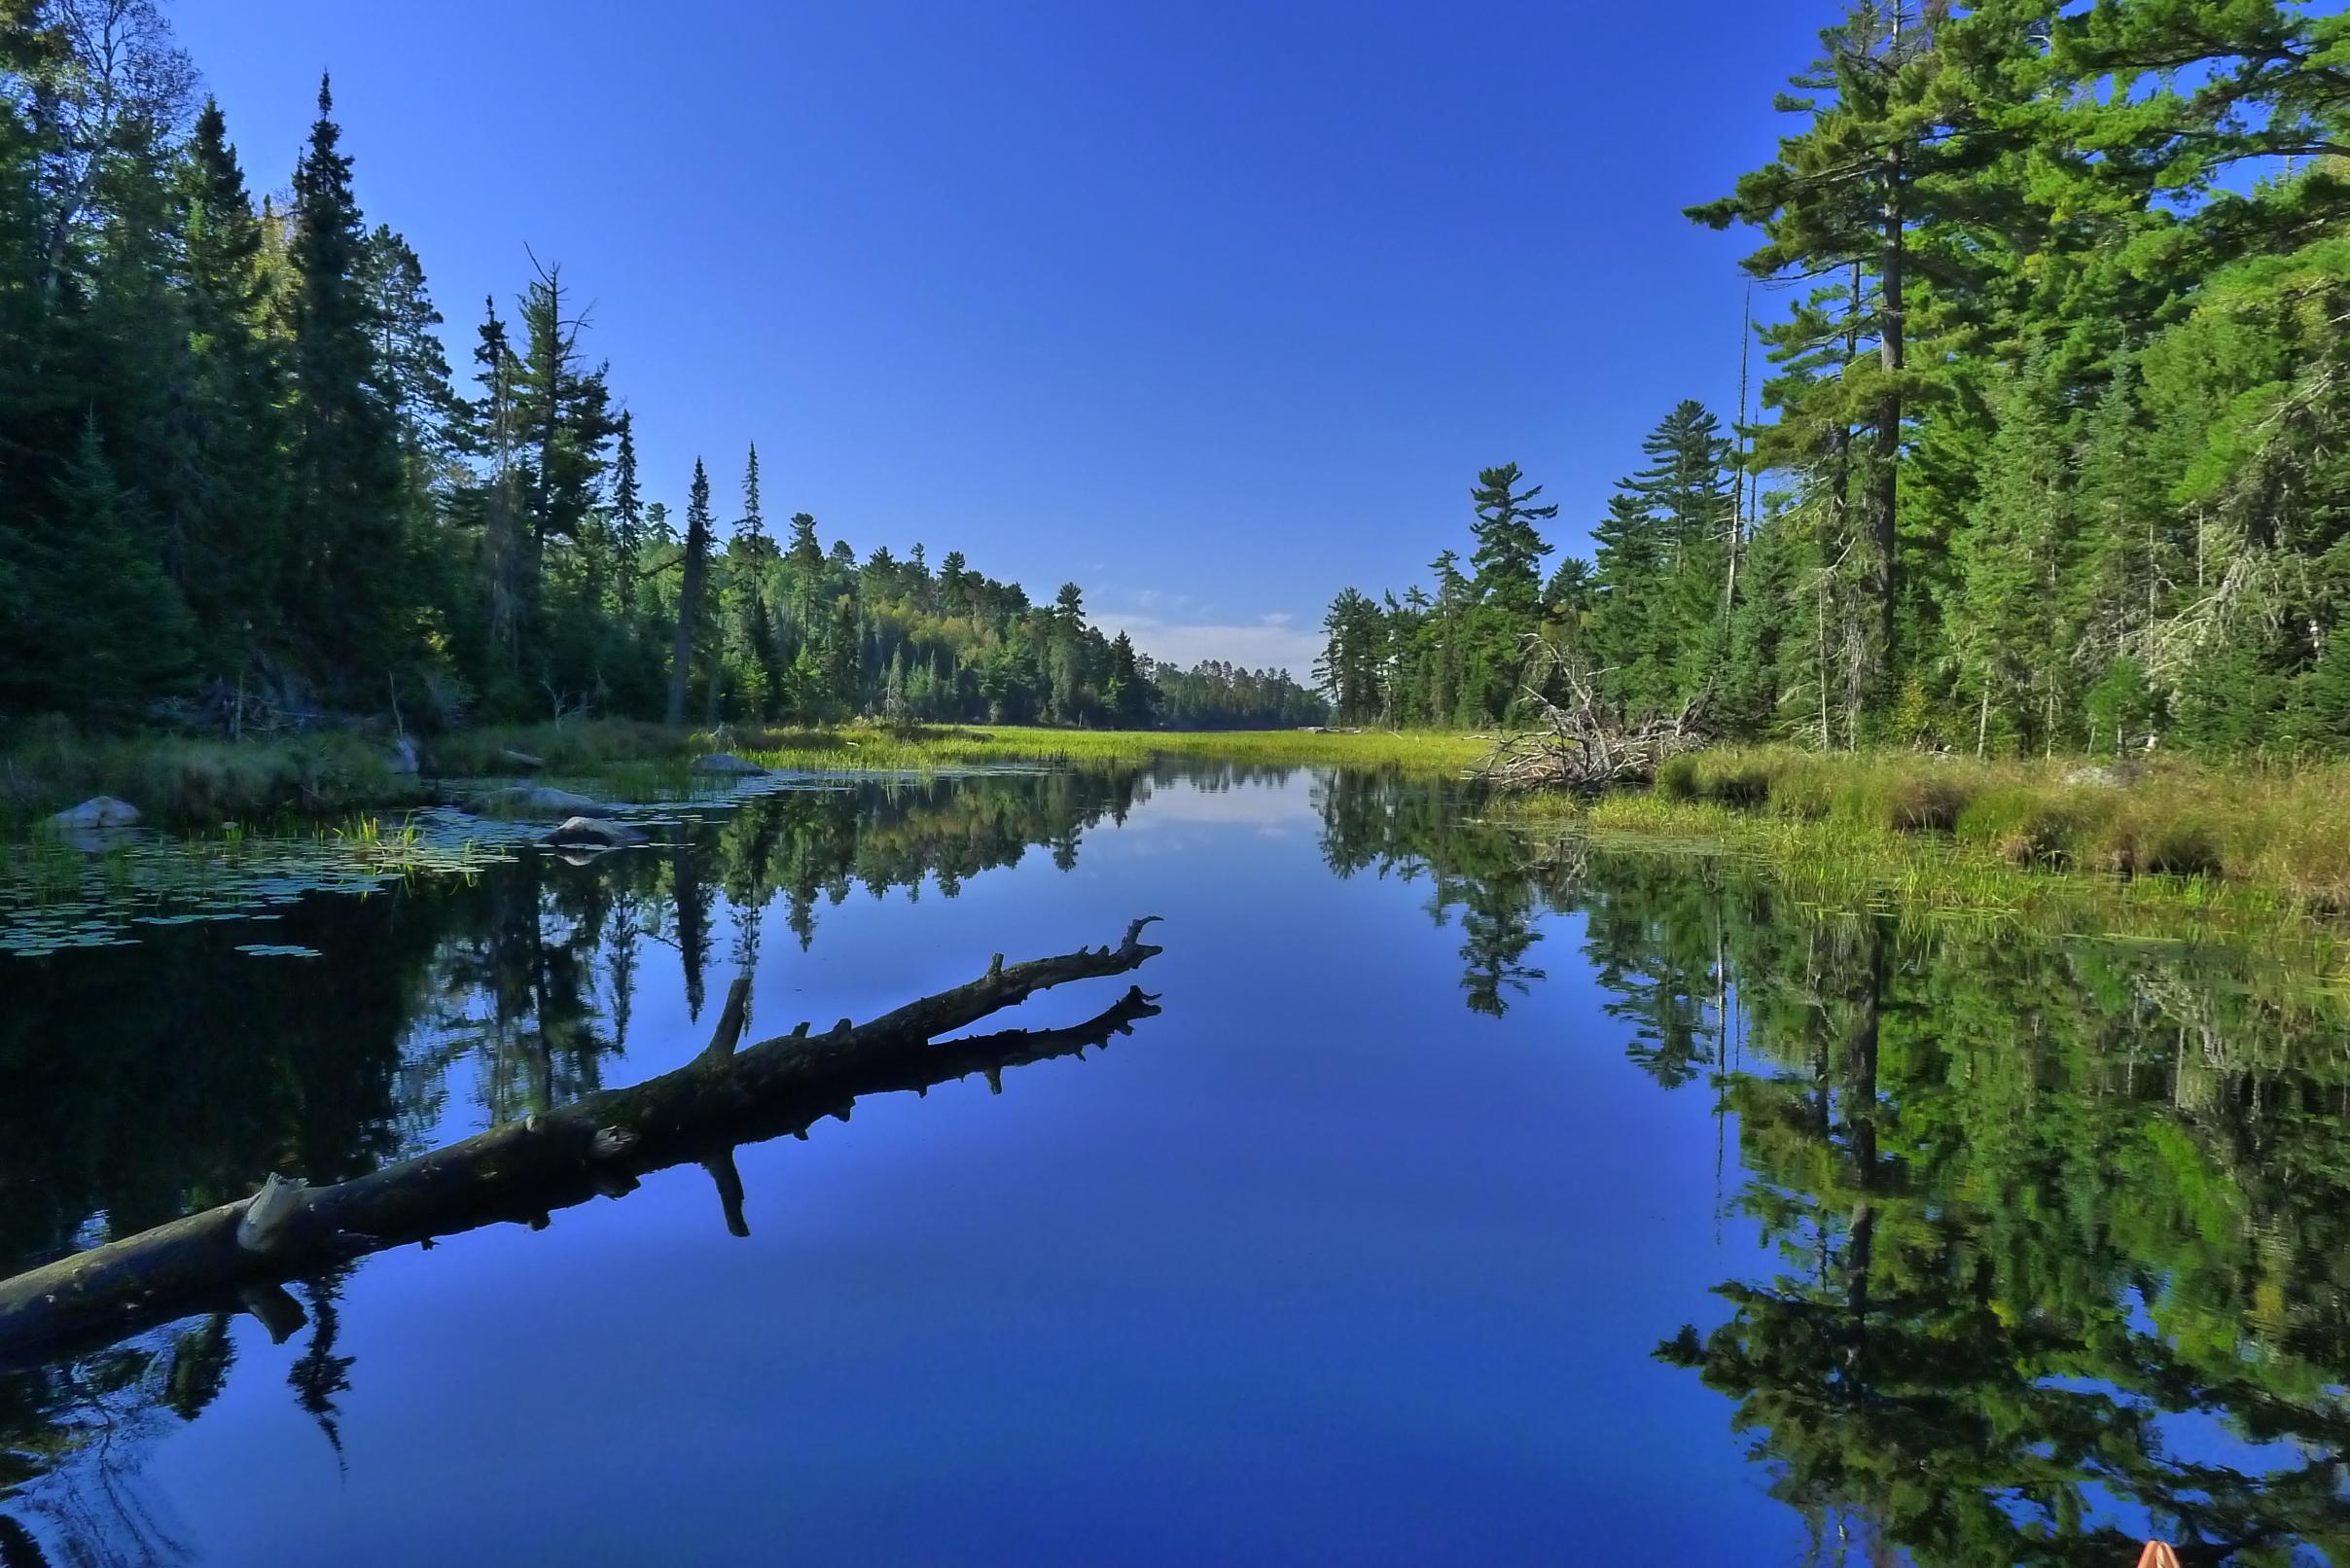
(2051, 455)
(241, 490)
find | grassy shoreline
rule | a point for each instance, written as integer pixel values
(2286, 827)
(2241, 842)
(2176, 851)
(203, 782)
(851, 751)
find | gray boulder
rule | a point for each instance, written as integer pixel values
(99, 812)
(725, 761)
(586, 833)
(537, 801)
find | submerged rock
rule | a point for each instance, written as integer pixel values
(586, 833)
(725, 761)
(99, 812)
(537, 801)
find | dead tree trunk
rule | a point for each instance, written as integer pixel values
(523, 1171)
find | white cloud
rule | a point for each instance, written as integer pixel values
(1272, 640)
(1155, 601)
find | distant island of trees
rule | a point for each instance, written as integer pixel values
(239, 484)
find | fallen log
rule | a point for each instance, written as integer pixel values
(523, 1171)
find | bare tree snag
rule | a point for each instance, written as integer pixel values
(599, 1145)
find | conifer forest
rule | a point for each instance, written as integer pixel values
(2043, 452)
(242, 484)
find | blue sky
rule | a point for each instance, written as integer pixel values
(1212, 307)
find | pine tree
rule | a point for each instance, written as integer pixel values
(494, 437)
(836, 681)
(347, 571)
(629, 532)
(1508, 592)
(1126, 692)
(752, 525)
(2006, 624)
(98, 591)
(1686, 492)
(1353, 664)
(690, 594)
(805, 561)
(564, 408)
(235, 431)
(1509, 548)
(409, 360)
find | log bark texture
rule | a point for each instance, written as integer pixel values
(524, 1170)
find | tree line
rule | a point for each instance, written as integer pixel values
(241, 486)
(2052, 450)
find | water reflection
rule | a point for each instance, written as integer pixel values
(2061, 1242)
(191, 1069)
(2051, 1249)
(2062, 1226)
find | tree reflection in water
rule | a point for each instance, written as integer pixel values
(2041, 1215)
(2045, 1210)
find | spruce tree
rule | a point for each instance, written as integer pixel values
(347, 574)
(627, 518)
(102, 597)
(690, 593)
(230, 571)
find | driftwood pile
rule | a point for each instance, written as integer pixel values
(1579, 747)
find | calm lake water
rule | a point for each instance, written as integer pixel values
(1460, 1206)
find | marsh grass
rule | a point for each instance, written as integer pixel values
(580, 748)
(2183, 855)
(2286, 829)
(874, 749)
